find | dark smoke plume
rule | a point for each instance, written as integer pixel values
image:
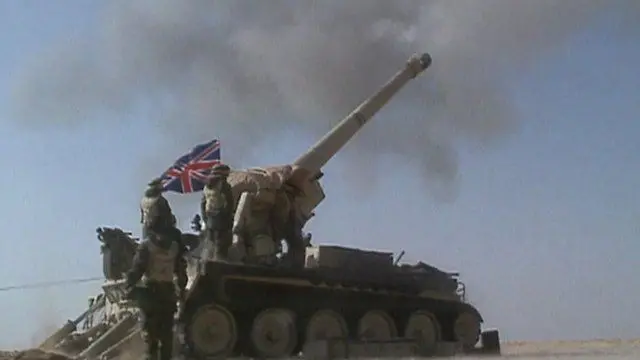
(249, 69)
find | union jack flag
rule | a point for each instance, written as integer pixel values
(190, 172)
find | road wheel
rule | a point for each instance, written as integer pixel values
(425, 329)
(467, 329)
(211, 332)
(377, 325)
(274, 334)
(325, 324)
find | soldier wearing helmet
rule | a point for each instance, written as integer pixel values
(158, 258)
(217, 210)
(150, 283)
(155, 211)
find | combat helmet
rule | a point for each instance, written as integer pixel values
(154, 187)
(155, 183)
(220, 170)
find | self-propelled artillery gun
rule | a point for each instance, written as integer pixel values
(264, 305)
(269, 303)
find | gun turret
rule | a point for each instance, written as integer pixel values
(293, 191)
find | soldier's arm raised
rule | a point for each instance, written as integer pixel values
(181, 268)
(140, 261)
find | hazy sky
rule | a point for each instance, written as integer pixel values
(514, 160)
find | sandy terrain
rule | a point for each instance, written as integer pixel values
(537, 349)
(574, 348)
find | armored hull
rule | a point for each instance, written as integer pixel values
(259, 311)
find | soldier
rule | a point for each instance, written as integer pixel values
(158, 258)
(155, 211)
(88, 322)
(296, 247)
(217, 210)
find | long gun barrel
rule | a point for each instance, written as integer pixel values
(311, 162)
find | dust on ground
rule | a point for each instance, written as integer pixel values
(569, 348)
(520, 349)
(32, 354)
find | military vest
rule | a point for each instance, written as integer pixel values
(152, 207)
(215, 201)
(162, 262)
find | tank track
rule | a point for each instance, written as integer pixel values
(258, 311)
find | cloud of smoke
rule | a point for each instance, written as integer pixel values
(246, 70)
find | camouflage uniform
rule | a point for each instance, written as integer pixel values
(158, 258)
(155, 211)
(296, 247)
(217, 207)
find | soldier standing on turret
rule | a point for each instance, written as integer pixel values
(158, 258)
(217, 210)
(290, 228)
(155, 211)
(296, 247)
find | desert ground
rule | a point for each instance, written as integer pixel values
(588, 349)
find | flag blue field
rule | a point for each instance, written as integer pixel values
(189, 173)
